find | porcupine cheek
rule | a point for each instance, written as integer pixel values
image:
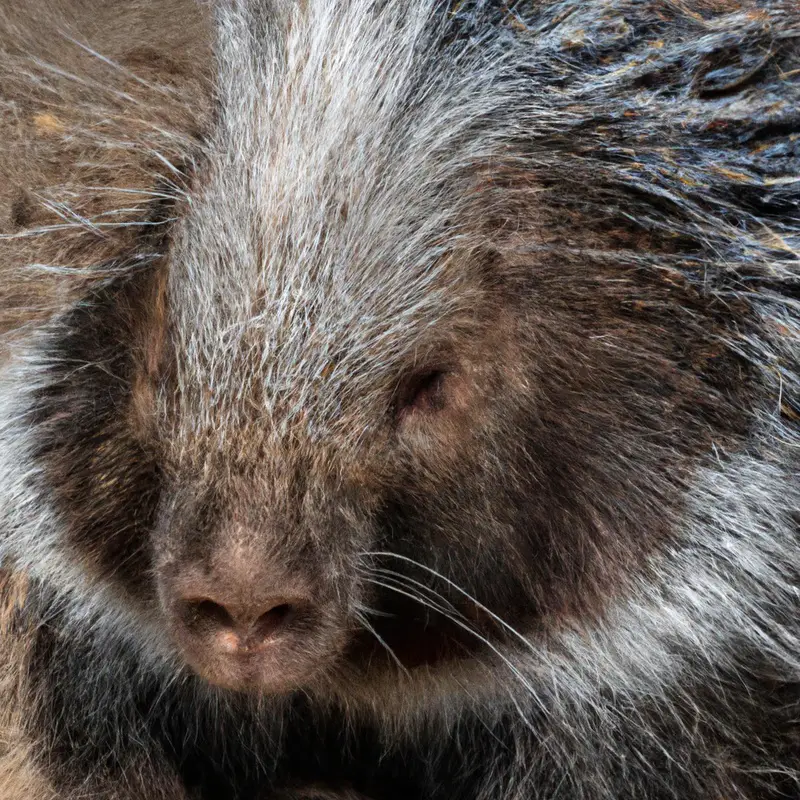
(95, 467)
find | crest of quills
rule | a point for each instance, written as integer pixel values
(400, 400)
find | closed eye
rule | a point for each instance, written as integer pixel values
(422, 393)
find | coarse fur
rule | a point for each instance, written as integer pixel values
(477, 323)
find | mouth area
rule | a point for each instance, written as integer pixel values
(257, 672)
(404, 638)
(279, 667)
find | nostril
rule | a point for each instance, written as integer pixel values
(205, 613)
(269, 622)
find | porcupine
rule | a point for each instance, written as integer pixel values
(402, 402)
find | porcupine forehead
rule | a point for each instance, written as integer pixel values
(317, 254)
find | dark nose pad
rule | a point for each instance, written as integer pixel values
(232, 626)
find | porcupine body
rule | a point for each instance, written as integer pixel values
(402, 402)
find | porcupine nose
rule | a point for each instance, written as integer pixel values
(244, 615)
(247, 622)
(245, 629)
(238, 606)
(228, 623)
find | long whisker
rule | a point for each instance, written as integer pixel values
(364, 622)
(464, 626)
(510, 628)
(389, 574)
